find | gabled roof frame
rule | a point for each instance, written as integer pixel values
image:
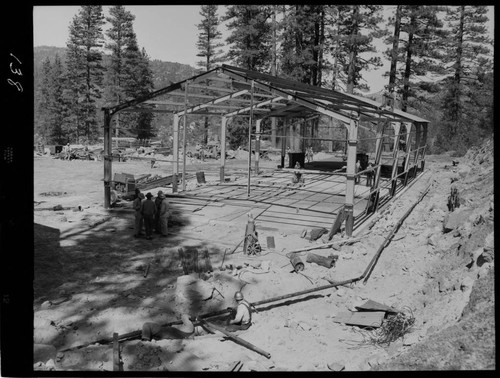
(341, 106)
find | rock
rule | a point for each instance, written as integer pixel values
(433, 240)
(50, 364)
(411, 339)
(466, 284)
(45, 305)
(44, 352)
(340, 292)
(486, 257)
(455, 219)
(489, 242)
(444, 284)
(265, 265)
(336, 366)
(347, 250)
(464, 170)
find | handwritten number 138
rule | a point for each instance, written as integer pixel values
(15, 71)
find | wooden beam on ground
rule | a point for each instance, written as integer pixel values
(234, 338)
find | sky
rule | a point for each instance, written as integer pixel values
(167, 32)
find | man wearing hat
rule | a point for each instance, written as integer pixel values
(148, 210)
(242, 320)
(163, 214)
(158, 200)
(139, 222)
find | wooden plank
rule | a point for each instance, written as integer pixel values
(370, 305)
(361, 318)
(270, 242)
(235, 338)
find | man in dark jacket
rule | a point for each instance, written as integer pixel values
(148, 211)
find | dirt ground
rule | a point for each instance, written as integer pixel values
(93, 278)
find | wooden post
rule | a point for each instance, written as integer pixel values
(107, 159)
(175, 148)
(395, 155)
(418, 137)
(257, 145)
(378, 170)
(407, 152)
(223, 148)
(116, 353)
(184, 138)
(283, 142)
(352, 143)
(250, 122)
(424, 143)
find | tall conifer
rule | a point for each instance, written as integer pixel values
(85, 70)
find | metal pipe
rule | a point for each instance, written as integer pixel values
(387, 240)
(184, 138)
(250, 121)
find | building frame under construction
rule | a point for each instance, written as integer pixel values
(229, 92)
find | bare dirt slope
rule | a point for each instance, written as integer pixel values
(91, 281)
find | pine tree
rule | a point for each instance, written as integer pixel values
(120, 33)
(208, 44)
(85, 70)
(59, 106)
(53, 107)
(469, 59)
(129, 75)
(363, 19)
(303, 40)
(44, 128)
(250, 36)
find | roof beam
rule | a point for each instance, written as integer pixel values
(258, 105)
(213, 102)
(159, 92)
(301, 101)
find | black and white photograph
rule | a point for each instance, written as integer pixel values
(259, 188)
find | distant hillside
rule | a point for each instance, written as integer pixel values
(164, 73)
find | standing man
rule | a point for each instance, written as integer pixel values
(158, 200)
(148, 210)
(242, 320)
(139, 222)
(163, 215)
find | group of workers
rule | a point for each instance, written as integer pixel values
(240, 318)
(151, 215)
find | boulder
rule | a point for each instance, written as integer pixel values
(489, 242)
(456, 219)
(466, 283)
(464, 170)
(44, 352)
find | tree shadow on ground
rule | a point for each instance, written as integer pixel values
(82, 274)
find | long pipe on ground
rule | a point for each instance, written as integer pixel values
(365, 275)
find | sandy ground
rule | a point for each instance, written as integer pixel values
(91, 281)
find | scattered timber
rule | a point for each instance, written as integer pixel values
(332, 284)
(327, 245)
(234, 338)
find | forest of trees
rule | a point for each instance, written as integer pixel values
(441, 63)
